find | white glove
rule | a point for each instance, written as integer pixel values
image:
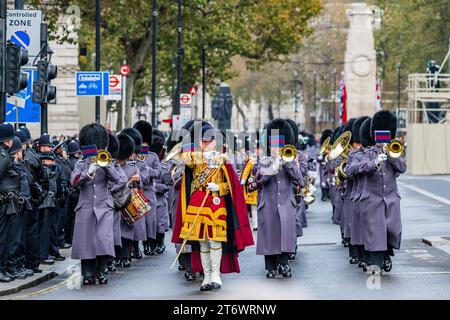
(213, 187)
(243, 182)
(92, 168)
(320, 157)
(381, 158)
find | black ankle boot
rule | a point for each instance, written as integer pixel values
(271, 274)
(284, 270)
(88, 280)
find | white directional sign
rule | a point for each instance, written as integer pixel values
(115, 88)
(24, 29)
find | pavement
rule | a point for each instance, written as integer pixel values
(421, 268)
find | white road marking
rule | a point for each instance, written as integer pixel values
(423, 256)
(426, 193)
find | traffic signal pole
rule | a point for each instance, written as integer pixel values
(3, 8)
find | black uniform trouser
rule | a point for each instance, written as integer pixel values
(325, 193)
(272, 261)
(32, 243)
(54, 232)
(352, 250)
(61, 221)
(125, 250)
(4, 227)
(379, 257)
(70, 219)
(15, 241)
(153, 243)
(160, 239)
(93, 267)
(44, 233)
(185, 261)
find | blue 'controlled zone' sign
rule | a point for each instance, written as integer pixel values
(27, 110)
(93, 83)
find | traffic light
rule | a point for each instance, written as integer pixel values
(43, 91)
(16, 57)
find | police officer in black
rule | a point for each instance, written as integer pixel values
(62, 204)
(32, 162)
(47, 215)
(74, 153)
(9, 192)
(17, 228)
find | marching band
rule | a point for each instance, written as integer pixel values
(108, 195)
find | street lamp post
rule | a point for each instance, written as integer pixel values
(315, 100)
(180, 54)
(334, 98)
(154, 30)
(97, 55)
(398, 89)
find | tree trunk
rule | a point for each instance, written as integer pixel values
(270, 111)
(238, 107)
(131, 80)
(137, 52)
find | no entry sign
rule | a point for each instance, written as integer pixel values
(185, 100)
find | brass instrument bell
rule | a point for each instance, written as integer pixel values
(395, 149)
(341, 147)
(103, 158)
(288, 153)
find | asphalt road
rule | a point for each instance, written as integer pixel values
(321, 270)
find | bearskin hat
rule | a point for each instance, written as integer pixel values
(284, 129)
(157, 144)
(146, 131)
(384, 120)
(336, 134)
(136, 136)
(325, 134)
(295, 130)
(94, 134)
(355, 129)
(158, 133)
(126, 146)
(113, 146)
(348, 127)
(364, 133)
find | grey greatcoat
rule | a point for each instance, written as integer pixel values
(302, 222)
(154, 170)
(380, 201)
(277, 210)
(347, 205)
(123, 179)
(137, 230)
(162, 186)
(352, 171)
(93, 232)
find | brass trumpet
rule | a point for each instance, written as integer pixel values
(395, 149)
(103, 158)
(288, 153)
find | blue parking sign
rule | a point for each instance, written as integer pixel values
(27, 111)
(92, 83)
